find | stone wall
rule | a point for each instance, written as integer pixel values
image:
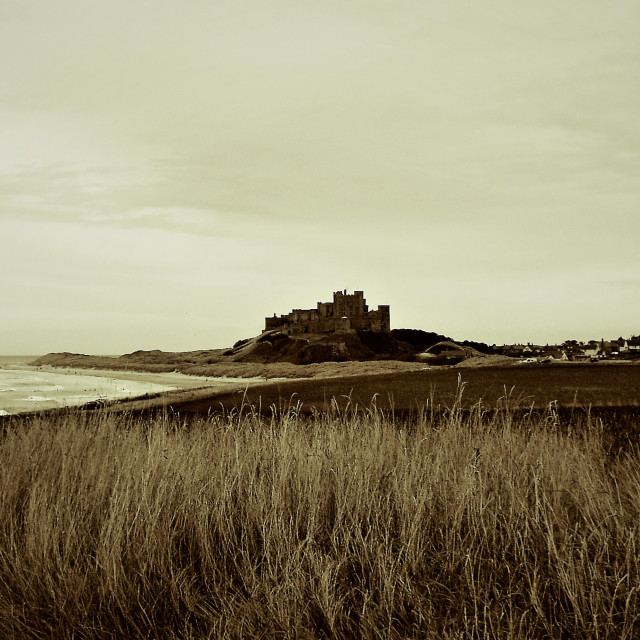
(347, 312)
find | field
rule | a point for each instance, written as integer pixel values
(456, 503)
(574, 385)
(353, 523)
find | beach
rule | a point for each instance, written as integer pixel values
(24, 388)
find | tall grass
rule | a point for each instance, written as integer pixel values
(348, 524)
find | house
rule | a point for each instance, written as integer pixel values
(514, 350)
(592, 349)
(633, 344)
(555, 354)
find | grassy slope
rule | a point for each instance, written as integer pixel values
(345, 526)
(205, 363)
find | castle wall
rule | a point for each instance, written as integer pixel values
(273, 323)
(325, 309)
(347, 312)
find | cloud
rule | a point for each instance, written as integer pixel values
(126, 198)
(477, 154)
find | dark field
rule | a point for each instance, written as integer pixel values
(521, 387)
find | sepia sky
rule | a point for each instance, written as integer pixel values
(172, 172)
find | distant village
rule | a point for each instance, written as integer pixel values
(573, 350)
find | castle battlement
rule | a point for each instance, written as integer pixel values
(347, 312)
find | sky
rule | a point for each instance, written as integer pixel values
(173, 172)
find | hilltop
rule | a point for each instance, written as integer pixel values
(272, 354)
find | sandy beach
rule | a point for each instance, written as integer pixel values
(25, 388)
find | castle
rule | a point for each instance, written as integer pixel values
(347, 312)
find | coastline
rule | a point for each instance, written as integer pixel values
(27, 389)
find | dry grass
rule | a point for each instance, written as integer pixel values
(213, 364)
(344, 525)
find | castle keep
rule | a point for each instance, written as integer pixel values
(347, 312)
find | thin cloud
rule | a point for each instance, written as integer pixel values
(476, 164)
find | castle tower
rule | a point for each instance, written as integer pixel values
(349, 305)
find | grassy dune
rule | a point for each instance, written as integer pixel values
(214, 364)
(340, 525)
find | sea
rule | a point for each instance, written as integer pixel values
(25, 388)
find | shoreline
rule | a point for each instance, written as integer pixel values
(174, 378)
(30, 389)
